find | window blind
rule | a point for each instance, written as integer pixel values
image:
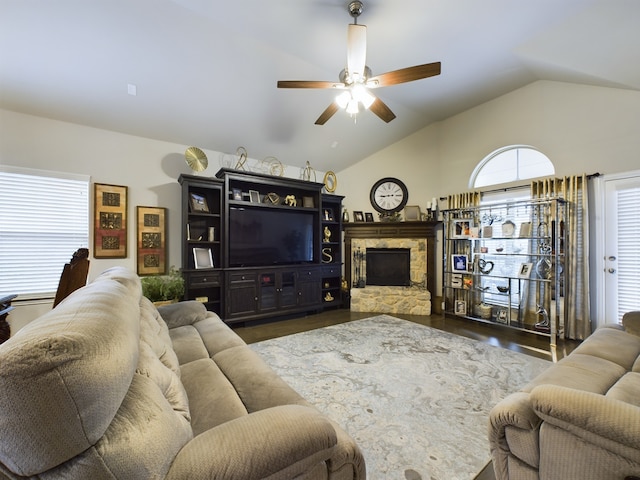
(628, 205)
(44, 219)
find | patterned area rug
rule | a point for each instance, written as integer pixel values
(416, 399)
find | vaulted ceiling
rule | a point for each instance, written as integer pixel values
(205, 71)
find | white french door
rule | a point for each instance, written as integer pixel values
(621, 220)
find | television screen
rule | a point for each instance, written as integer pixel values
(258, 236)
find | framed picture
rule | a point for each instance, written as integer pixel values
(110, 221)
(462, 227)
(411, 213)
(198, 203)
(460, 307)
(368, 217)
(525, 270)
(459, 263)
(308, 202)
(151, 234)
(202, 258)
(502, 315)
(236, 194)
(254, 196)
(358, 217)
(525, 230)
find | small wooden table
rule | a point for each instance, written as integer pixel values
(5, 308)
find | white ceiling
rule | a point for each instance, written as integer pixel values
(206, 70)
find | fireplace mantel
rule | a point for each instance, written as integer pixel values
(426, 230)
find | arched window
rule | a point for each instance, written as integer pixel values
(511, 164)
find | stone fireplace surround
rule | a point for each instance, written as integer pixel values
(419, 237)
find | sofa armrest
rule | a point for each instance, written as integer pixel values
(279, 442)
(631, 322)
(513, 413)
(609, 423)
(183, 313)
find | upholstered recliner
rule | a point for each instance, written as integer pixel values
(101, 388)
(580, 419)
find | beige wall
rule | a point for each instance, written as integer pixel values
(580, 128)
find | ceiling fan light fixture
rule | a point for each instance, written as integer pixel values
(361, 95)
(343, 99)
(352, 107)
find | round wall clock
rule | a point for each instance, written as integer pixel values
(389, 195)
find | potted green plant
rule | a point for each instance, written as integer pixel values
(164, 289)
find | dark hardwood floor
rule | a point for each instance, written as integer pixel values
(527, 343)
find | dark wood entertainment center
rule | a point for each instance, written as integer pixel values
(241, 220)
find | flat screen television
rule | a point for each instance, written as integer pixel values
(258, 236)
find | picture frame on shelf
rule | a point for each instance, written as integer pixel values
(198, 203)
(254, 196)
(308, 202)
(459, 262)
(358, 216)
(460, 307)
(236, 194)
(151, 234)
(368, 217)
(202, 258)
(525, 270)
(110, 221)
(412, 213)
(461, 227)
(525, 230)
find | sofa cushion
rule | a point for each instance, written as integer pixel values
(582, 372)
(625, 353)
(65, 375)
(257, 384)
(627, 389)
(154, 331)
(212, 398)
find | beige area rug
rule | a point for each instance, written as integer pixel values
(416, 399)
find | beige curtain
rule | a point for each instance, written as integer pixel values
(577, 314)
(463, 200)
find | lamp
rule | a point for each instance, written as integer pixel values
(351, 99)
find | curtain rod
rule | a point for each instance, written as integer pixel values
(516, 187)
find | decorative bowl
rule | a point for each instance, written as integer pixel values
(502, 288)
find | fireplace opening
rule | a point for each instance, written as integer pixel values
(388, 266)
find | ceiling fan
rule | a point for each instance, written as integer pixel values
(357, 79)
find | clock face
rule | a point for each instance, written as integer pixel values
(389, 195)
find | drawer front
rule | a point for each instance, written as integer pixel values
(243, 277)
(306, 274)
(208, 279)
(332, 271)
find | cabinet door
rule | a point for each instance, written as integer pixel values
(288, 290)
(309, 287)
(242, 295)
(268, 291)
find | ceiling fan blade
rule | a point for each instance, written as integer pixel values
(404, 75)
(327, 114)
(380, 109)
(308, 84)
(356, 50)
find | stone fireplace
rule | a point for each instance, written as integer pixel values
(415, 238)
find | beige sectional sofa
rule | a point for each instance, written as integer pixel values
(106, 386)
(580, 419)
